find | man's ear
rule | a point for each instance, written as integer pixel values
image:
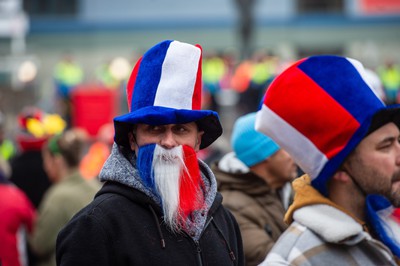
(132, 141)
(198, 141)
(342, 176)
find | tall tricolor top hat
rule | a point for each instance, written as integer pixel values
(319, 109)
(165, 88)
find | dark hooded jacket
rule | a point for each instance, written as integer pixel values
(123, 226)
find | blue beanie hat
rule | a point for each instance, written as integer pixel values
(250, 146)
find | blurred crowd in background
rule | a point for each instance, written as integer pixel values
(85, 111)
(76, 110)
(231, 87)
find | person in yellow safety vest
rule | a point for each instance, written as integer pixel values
(390, 77)
(213, 71)
(263, 68)
(7, 148)
(104, 76)
(67, 74)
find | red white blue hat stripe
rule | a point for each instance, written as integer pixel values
(170, 59)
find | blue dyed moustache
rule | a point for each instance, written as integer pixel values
(144, 164)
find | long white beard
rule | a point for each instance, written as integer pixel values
(174, 177)
(167, 167)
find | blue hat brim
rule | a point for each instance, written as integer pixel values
(207, 121)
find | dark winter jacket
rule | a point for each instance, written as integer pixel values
(123, 226)
(28, 174)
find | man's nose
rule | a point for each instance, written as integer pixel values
(168, 140)
(398, 153)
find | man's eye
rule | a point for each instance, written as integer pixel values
(180, 129)
(382, 147)
(388, 144)
(154, 128)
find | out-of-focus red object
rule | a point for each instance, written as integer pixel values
(92, 107)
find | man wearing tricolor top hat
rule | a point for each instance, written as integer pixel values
(323, 111)
(159, 204)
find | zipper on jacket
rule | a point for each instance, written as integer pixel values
(198, 253)
(198, 249)
(230, 251)
(162, 240)
(197, 244)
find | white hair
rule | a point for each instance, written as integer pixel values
(167, 167)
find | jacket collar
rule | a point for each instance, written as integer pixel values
(327, 219)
